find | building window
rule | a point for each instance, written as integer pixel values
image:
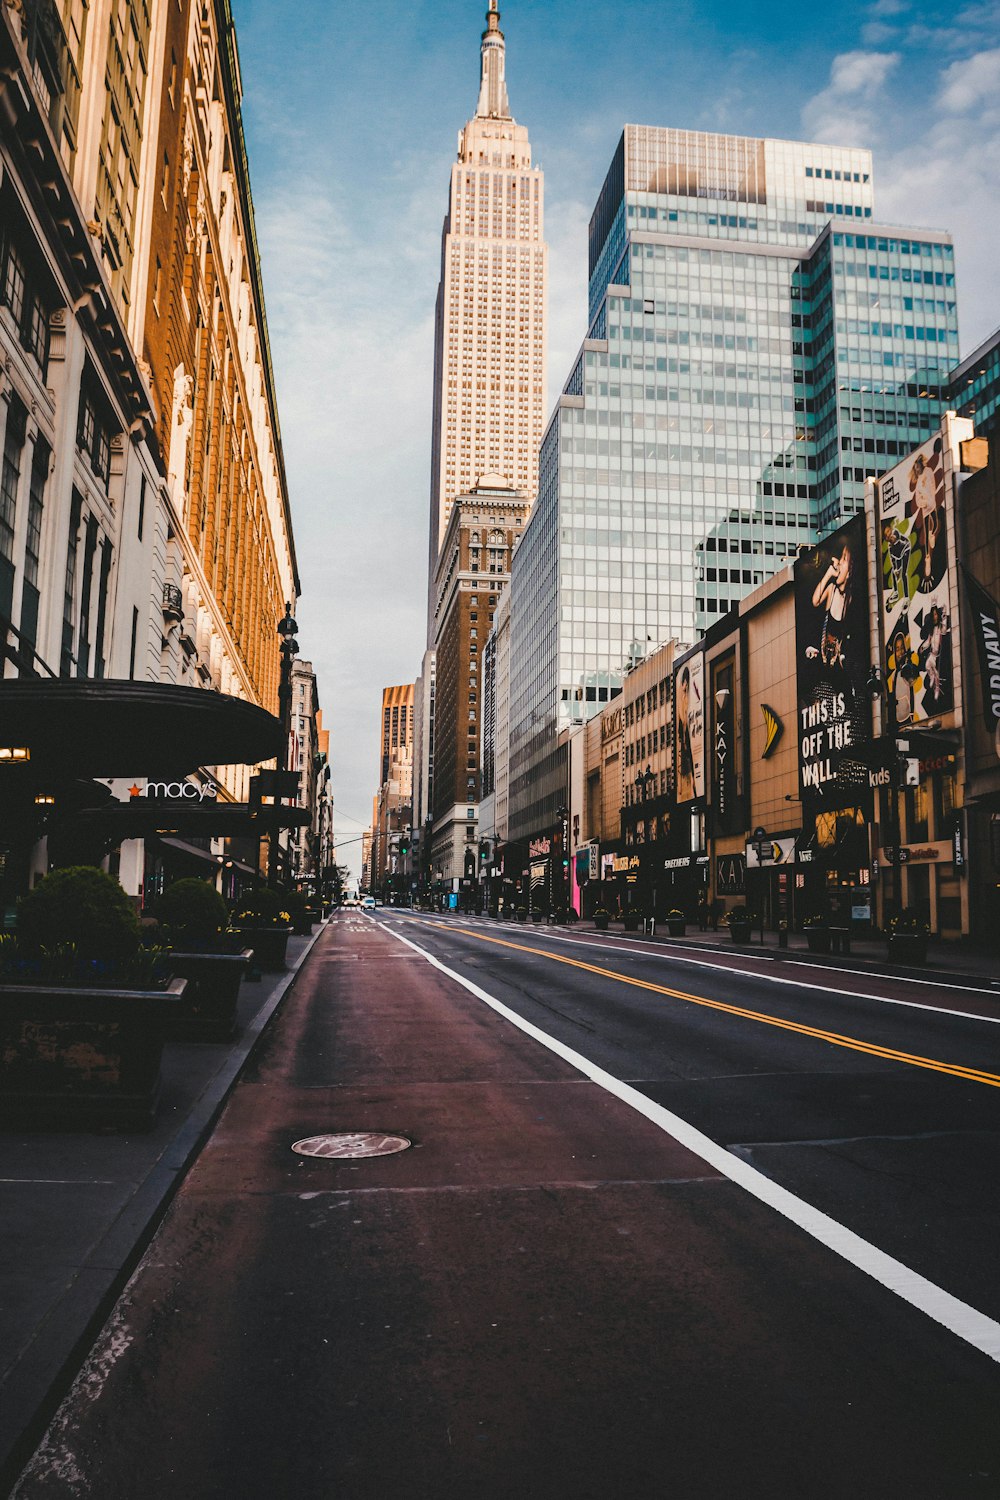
(67, 658)
(21, 294)
(93, 430)
(10, 475)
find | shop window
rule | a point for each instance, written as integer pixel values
(918, 813)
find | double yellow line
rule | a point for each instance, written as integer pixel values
(835, 1038)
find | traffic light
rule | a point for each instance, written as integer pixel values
(404, 846)
(484, 851)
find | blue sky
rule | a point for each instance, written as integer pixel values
(351, 114)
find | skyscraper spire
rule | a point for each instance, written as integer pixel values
(493, 88)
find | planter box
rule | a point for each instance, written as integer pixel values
(303, 926)
(631, 924)
(601, 923)
(207, 1012)
(908, 948)
(269, 945)
(740, 931)
(676, 926)
(818, 939)
(83, 1059)
(538, 916)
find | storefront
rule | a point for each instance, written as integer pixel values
(63, 739)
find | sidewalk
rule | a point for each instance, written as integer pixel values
(77, 1211)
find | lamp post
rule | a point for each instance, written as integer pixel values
(562, 813)
(878, 686)
(287, 628)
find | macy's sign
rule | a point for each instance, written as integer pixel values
(176, 791)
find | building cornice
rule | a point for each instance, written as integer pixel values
(233, 89)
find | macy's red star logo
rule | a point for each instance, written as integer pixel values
(135, 791)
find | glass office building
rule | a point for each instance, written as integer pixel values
(974, 389)
(758, 344)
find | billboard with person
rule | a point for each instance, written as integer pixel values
(833, 664)
(689, 728)
(913, 528)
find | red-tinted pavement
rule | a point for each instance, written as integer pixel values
(546, 1296)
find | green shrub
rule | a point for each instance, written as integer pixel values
(193, 909)
(908, 923)
(294, 903)
(80, 906)
(261, 907)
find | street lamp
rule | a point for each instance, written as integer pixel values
(878, 686)
(286, 628)
(562, 813)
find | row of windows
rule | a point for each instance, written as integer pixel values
(835, 175)
(21, 293)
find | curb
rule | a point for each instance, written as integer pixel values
(39, 1381)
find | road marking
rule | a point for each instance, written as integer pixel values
(970, 1325)
(707, 963)
(837, 1039)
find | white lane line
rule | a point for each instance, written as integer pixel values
(769, 958)
(968, 989)
(970, 1325)
(802, 984)
(799, 984)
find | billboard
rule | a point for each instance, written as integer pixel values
(689, 729)
(913, 528)
(728, 814)
(833, 666)
(986, 631)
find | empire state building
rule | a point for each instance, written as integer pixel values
(490, 326)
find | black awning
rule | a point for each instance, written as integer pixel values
(145, 817)
(81, 727)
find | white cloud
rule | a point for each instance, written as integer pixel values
(945, 173)
(846, 111)
(971, 82)
(950, 179)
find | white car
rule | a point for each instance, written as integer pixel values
(368, 903)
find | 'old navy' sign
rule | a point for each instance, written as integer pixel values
(177, 791)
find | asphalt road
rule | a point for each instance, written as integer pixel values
(639, 1247)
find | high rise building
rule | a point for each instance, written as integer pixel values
(145, 529)
(472, 572)
(490, 318)
(392, 813)
(974, 387)
(397, 731)
(758, 344)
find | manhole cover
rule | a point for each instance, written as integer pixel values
(367, 1143)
